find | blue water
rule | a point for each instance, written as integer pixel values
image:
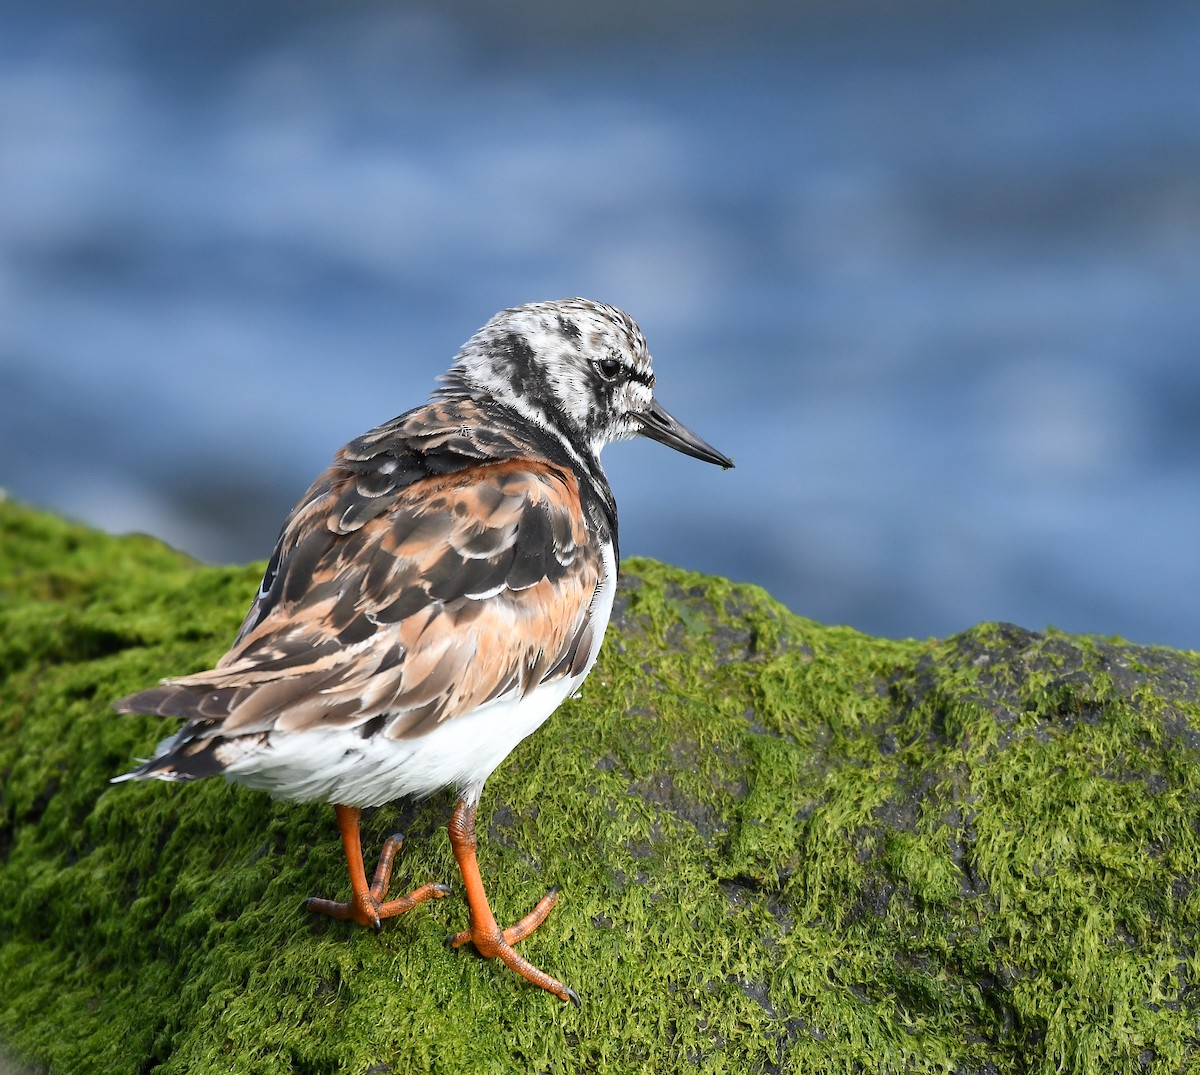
(931, 276)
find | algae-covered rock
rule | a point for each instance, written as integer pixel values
(783, 847)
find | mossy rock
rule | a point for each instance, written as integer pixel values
(783, 848)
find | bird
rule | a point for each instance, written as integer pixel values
(436, 594)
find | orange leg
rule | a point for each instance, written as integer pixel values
(489, 939)
(366, 906)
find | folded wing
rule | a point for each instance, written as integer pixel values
(393, 606)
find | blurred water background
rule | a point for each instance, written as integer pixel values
(929, 272)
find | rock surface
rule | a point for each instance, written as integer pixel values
(783, 848)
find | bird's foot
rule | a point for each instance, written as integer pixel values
(492, 942)
(369, 908)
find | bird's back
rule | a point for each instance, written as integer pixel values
(444, 563)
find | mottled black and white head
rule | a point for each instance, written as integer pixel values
(577, 368)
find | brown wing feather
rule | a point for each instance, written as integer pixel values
(455, 589)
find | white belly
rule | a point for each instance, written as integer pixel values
(338, 765)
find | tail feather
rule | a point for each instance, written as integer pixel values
(153, 769)
(183, 757)
(186, 701)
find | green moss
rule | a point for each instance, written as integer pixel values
(783, 846)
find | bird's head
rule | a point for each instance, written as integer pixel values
(577, 368)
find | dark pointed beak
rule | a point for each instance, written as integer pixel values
(657, 424)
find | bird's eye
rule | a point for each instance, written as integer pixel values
(608, 368)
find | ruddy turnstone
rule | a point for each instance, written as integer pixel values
(433, 598)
